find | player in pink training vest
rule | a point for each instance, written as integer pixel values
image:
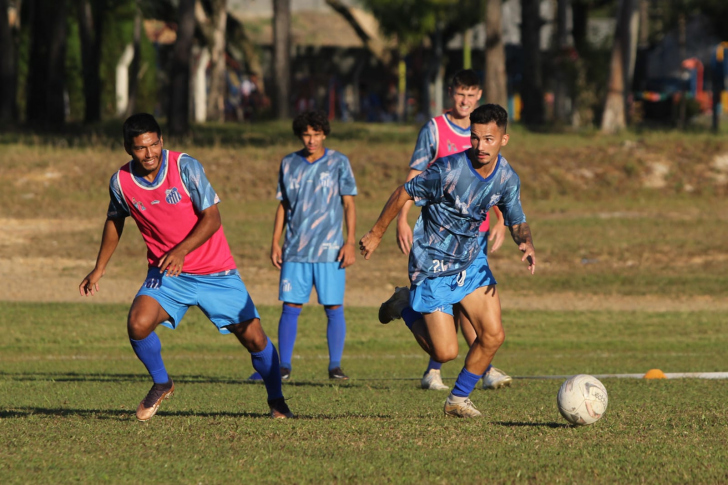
(175, 208)
(444, 135)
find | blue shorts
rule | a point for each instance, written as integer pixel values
(440, 294)
(222, 297)
(297, 279)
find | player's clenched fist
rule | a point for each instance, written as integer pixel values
(369, 243)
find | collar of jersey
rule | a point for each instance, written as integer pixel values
(146, 184)
(457, 129)
(326, 152)
(470, 164)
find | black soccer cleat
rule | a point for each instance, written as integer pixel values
(338, 374)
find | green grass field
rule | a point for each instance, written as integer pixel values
(631, 276)
(70, 384)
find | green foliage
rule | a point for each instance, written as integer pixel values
(413, 20)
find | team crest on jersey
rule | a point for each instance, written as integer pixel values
(451, 147)
(325, 179)
(285, 286)
(138, 204)
(172, 196)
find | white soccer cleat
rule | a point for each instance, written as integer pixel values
(392, 308)
(496, 378)
(463, 409)
(432, 380)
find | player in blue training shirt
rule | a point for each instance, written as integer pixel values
(447, 266)
(316, 188)
(443, 136)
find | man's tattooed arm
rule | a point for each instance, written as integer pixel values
(521, 234)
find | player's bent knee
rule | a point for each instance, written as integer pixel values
(250, 334)
(139, 326)
(445, 355)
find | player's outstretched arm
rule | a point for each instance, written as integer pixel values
(521, 234)
(497, 230)
(404, 231)
(276, 254)
(109, 240)
(208, 223)
(347, 253)
(370, 241)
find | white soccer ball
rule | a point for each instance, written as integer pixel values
(582, 399)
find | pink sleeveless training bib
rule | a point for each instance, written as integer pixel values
(165, 216)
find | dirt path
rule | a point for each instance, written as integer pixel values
(38, 280)
(54, 279)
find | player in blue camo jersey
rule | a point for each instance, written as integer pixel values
(447, 266)
(316, 188)
(442, 136)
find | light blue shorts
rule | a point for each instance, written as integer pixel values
(297, 279)
(440, 294)
(222, 297)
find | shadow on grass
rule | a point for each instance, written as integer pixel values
(178, 379)
(128, 415)
(516, 424)
(118, 415)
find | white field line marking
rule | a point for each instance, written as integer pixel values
(669, 375)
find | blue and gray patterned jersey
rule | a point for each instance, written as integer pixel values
(311, 193)
(193, 176)
(455, 200)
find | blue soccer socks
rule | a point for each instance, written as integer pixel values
(287, 331)
(149, 351)
(433, 365)
(410, 317)
(335, 335)
(465, 383)
(266, 364)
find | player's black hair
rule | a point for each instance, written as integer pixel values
(139, 124)
(317, 119)
(490, 113)
(467, 78)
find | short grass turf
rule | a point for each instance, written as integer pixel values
(69, 385)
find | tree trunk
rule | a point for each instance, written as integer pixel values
(46, 68)
(282, 56)
(8, 67)
(615, 112)
(496, 82)
(532, 84)
(375, 46)
(135, 63)
(561, 91)
(89, 29)
(216, 96)
(179, 104)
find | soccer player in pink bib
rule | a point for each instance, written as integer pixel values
(442, 136)
(175, 208)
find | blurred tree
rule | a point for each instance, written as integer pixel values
(615, 107)
(282, 56)
(8, 65)
(213, 26)
(411, 21)
(90, 28)
(532, 83)
(46, 68)
(496, 81)
(561, 45)
(374, 45)
(179, 102)
(135, 63)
